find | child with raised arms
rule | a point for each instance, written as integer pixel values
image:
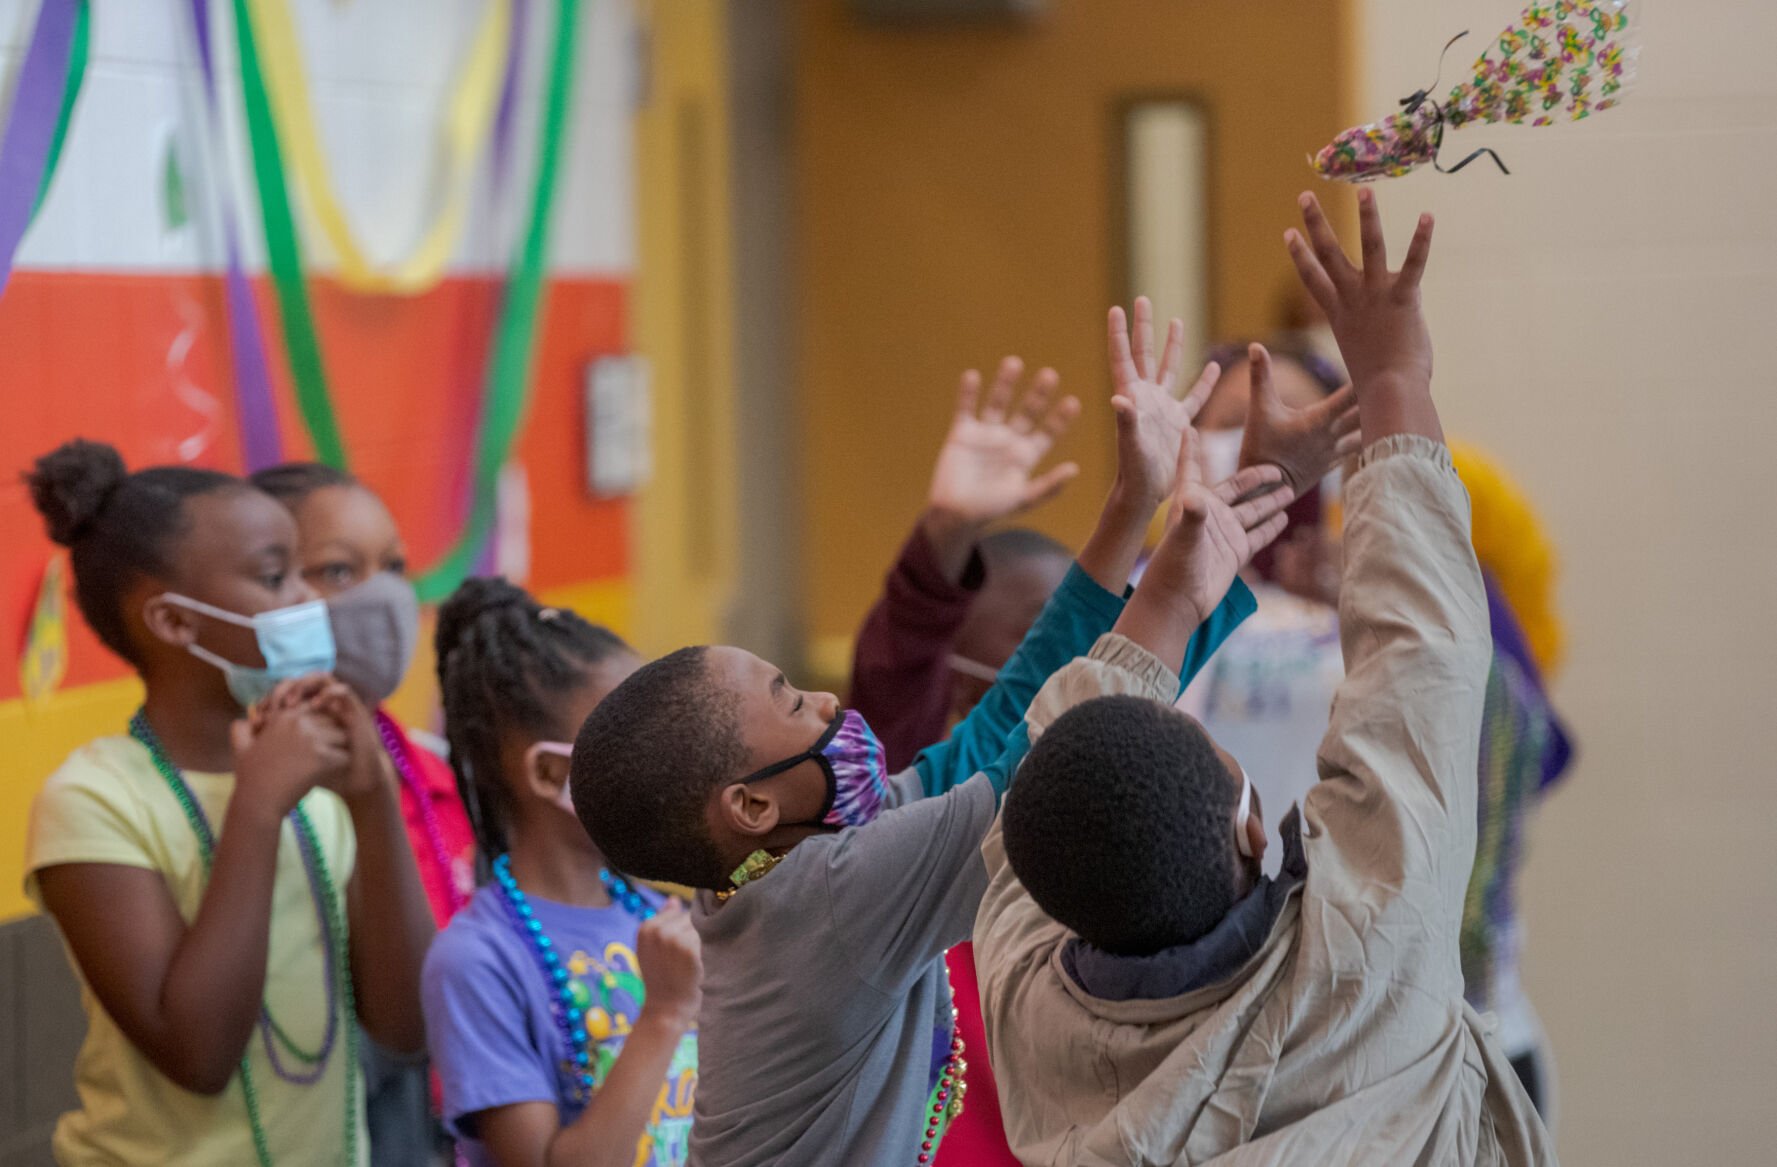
(830, 889)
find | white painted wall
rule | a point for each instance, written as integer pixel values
(378, 71)
(1600, 324)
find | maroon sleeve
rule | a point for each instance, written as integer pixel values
(901, 671)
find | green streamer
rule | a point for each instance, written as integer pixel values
(78, 50)
(284, 253)
(515, 344)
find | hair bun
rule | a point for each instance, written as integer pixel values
(472, 600)
(71, 484)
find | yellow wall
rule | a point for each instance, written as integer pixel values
(36, 741)
(686, 521)
(956, 202)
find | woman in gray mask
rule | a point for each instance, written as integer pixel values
(350, 553)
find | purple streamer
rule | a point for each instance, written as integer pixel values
(508, 110)
(31, 127)
(256, 411)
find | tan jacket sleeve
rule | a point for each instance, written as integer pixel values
(1116, 667)
(1389, 832)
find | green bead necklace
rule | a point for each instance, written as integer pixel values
(333, 934)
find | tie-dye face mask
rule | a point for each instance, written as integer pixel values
(855, 765)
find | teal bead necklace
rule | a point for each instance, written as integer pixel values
(333, 937)
(567, 1008)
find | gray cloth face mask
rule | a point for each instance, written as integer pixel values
(376, 626)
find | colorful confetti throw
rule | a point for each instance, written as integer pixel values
(1561, 61)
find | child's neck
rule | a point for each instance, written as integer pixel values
(192, 727)
(547, 869)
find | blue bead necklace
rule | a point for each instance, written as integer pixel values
(567, 1010)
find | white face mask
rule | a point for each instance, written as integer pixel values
(1220, 453)
(565, 797)
(1243, 840)
(974, 669)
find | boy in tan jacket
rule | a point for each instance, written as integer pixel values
(1150, 997)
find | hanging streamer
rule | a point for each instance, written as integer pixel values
(514, 345)
(44, 662)
(37, 126)
(509, 365)
(256, 411)
(78, 51)
(284, 253)
(469, 118)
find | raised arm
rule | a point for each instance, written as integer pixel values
(1395, 812)
(1211, 534)
(986, 472)
(1152, 425)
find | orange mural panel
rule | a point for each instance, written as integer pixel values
(141, 361)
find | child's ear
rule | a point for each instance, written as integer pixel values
(169, 623)
(749, 811)
(545, 773)
(1255, 835)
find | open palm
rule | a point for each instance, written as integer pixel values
(1214, 531)
(1304, 443)
(1151, 419)
(987, 468)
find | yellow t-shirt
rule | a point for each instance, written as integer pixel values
(108, 804)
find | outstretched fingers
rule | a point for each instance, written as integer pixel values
(1262, 509)
(1325, 242)
(1035, 405)
(1418, 255)
(1049, 485)
(999, 394)
(1123, 370)
(1173, 356)
(968, 394)
(1144, 338)
(1261, 537)
(1249, 481)
(1309, 270)
(1374, 242)
(1199, 395)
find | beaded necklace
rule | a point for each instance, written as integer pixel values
(397, 751)
(334, 951)
(568, 1009)
(947, 1095)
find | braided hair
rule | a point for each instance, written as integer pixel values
(501, 659)
(117, 526)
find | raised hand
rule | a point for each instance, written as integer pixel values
(1211, 533)
(1376, 317)
(670, 957)
(987, 468)
(1151, 419)
(1304, 443)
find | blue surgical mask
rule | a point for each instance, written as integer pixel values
(294, 641)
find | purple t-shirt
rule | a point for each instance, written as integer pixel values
(494, 1040)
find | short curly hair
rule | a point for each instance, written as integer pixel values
(645, 763)
(1119, 825)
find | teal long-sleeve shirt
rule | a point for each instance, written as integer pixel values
(991, 738)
